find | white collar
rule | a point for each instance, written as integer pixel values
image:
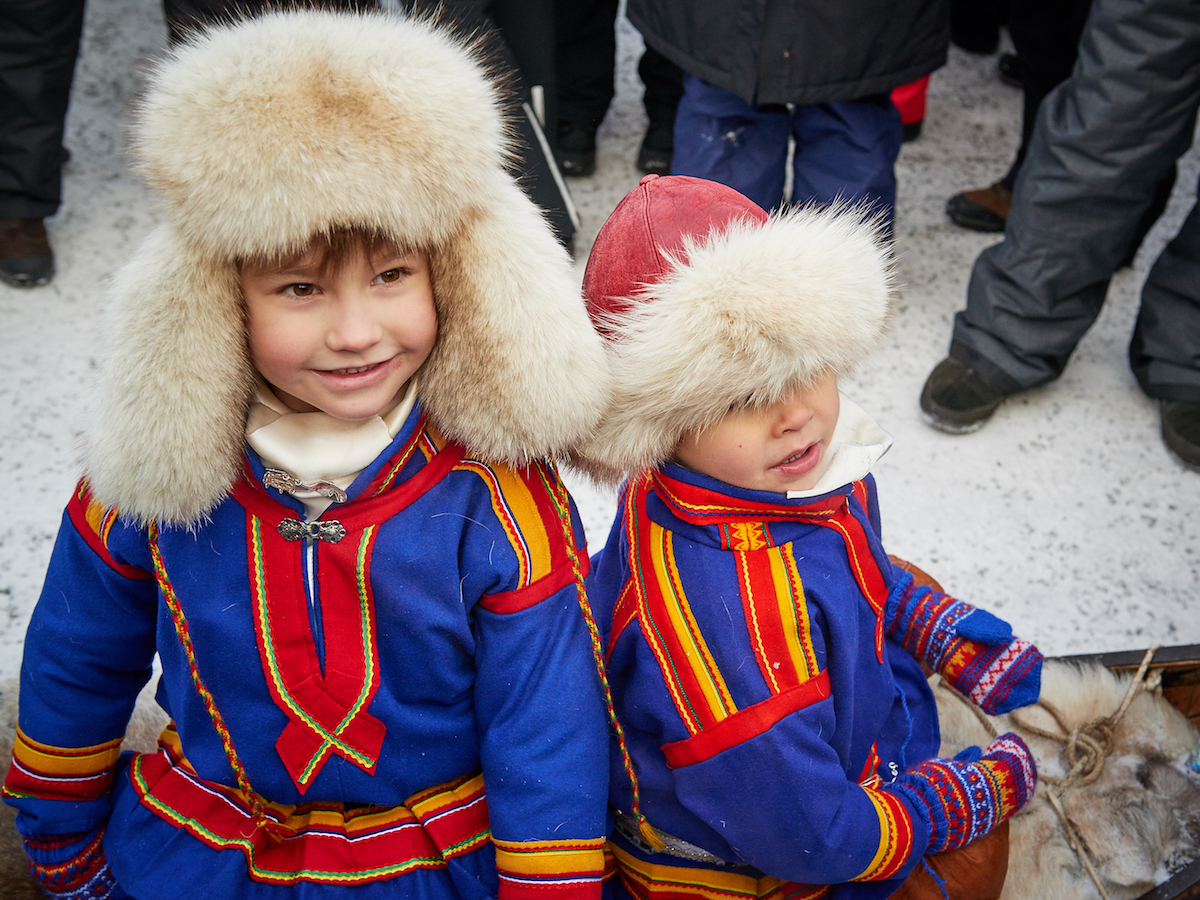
(856, 445)
(315, 446)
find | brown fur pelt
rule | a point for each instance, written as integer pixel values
(1140, 819)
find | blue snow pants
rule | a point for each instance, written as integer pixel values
(845, 149)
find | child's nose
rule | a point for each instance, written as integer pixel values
(793, 414)
(354, 327)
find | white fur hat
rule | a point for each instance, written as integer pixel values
(262, 134)
(707, 303)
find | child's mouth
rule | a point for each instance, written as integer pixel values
(352, 378)
(800, 462)
(354, 370)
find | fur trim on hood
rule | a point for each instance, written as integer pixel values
(731, 308)
(259, 136)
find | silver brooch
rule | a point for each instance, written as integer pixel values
(293, 530)
(290, 484)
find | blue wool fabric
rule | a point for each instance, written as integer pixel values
(772, 721)
(479, 660)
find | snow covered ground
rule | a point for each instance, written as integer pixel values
(1065, 515)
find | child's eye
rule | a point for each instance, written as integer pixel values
(300, 290)
(389, 276)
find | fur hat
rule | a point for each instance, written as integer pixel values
(262, 134)
(707, 303)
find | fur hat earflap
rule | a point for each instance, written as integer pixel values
(708, 303)
(260, 136)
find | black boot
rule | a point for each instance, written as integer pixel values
(956, 399)
(1181, 431)
(576, 149)
(26, 259)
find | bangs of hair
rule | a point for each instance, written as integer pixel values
(329, 251)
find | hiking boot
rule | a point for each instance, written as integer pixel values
(654, 157)
(1181, 431)
(956, 399)
(576, 149)
(985, 209)
(25, 256)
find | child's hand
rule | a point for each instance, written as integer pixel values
(966, 797)
(72, 865)
(972, 649)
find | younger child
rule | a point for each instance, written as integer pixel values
(315, 488)
(764, 654)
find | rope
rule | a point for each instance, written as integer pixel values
(562, 504)
(1088, 747)
(1090, 744)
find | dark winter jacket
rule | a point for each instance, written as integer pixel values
(798, 51)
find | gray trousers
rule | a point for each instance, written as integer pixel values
(1104, 139)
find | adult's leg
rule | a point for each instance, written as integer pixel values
(975, 24)
(1165, 349)
(586, 47)
(1105, 139)
(720, 137)
(847, 150)
(39, 40)
(1045, 35)
(664, 86)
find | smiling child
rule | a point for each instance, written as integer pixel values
(317, 488)
(778, 737)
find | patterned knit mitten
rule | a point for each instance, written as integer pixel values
(972, 649)
(72, 866)
(966, 797)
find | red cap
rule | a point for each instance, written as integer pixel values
(654, 217)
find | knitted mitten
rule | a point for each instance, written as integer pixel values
(71, 866)
(972, 649)
(966, 797)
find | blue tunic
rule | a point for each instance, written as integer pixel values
(765, 710)
(369, 687)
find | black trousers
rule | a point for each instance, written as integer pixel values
(1045, 34)
(587, 49)
(39, 41)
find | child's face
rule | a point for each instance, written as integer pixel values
(341, 339)
(778, 448)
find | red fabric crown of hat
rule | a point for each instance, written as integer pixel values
(635, 247)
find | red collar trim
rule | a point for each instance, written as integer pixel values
(704, 506)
